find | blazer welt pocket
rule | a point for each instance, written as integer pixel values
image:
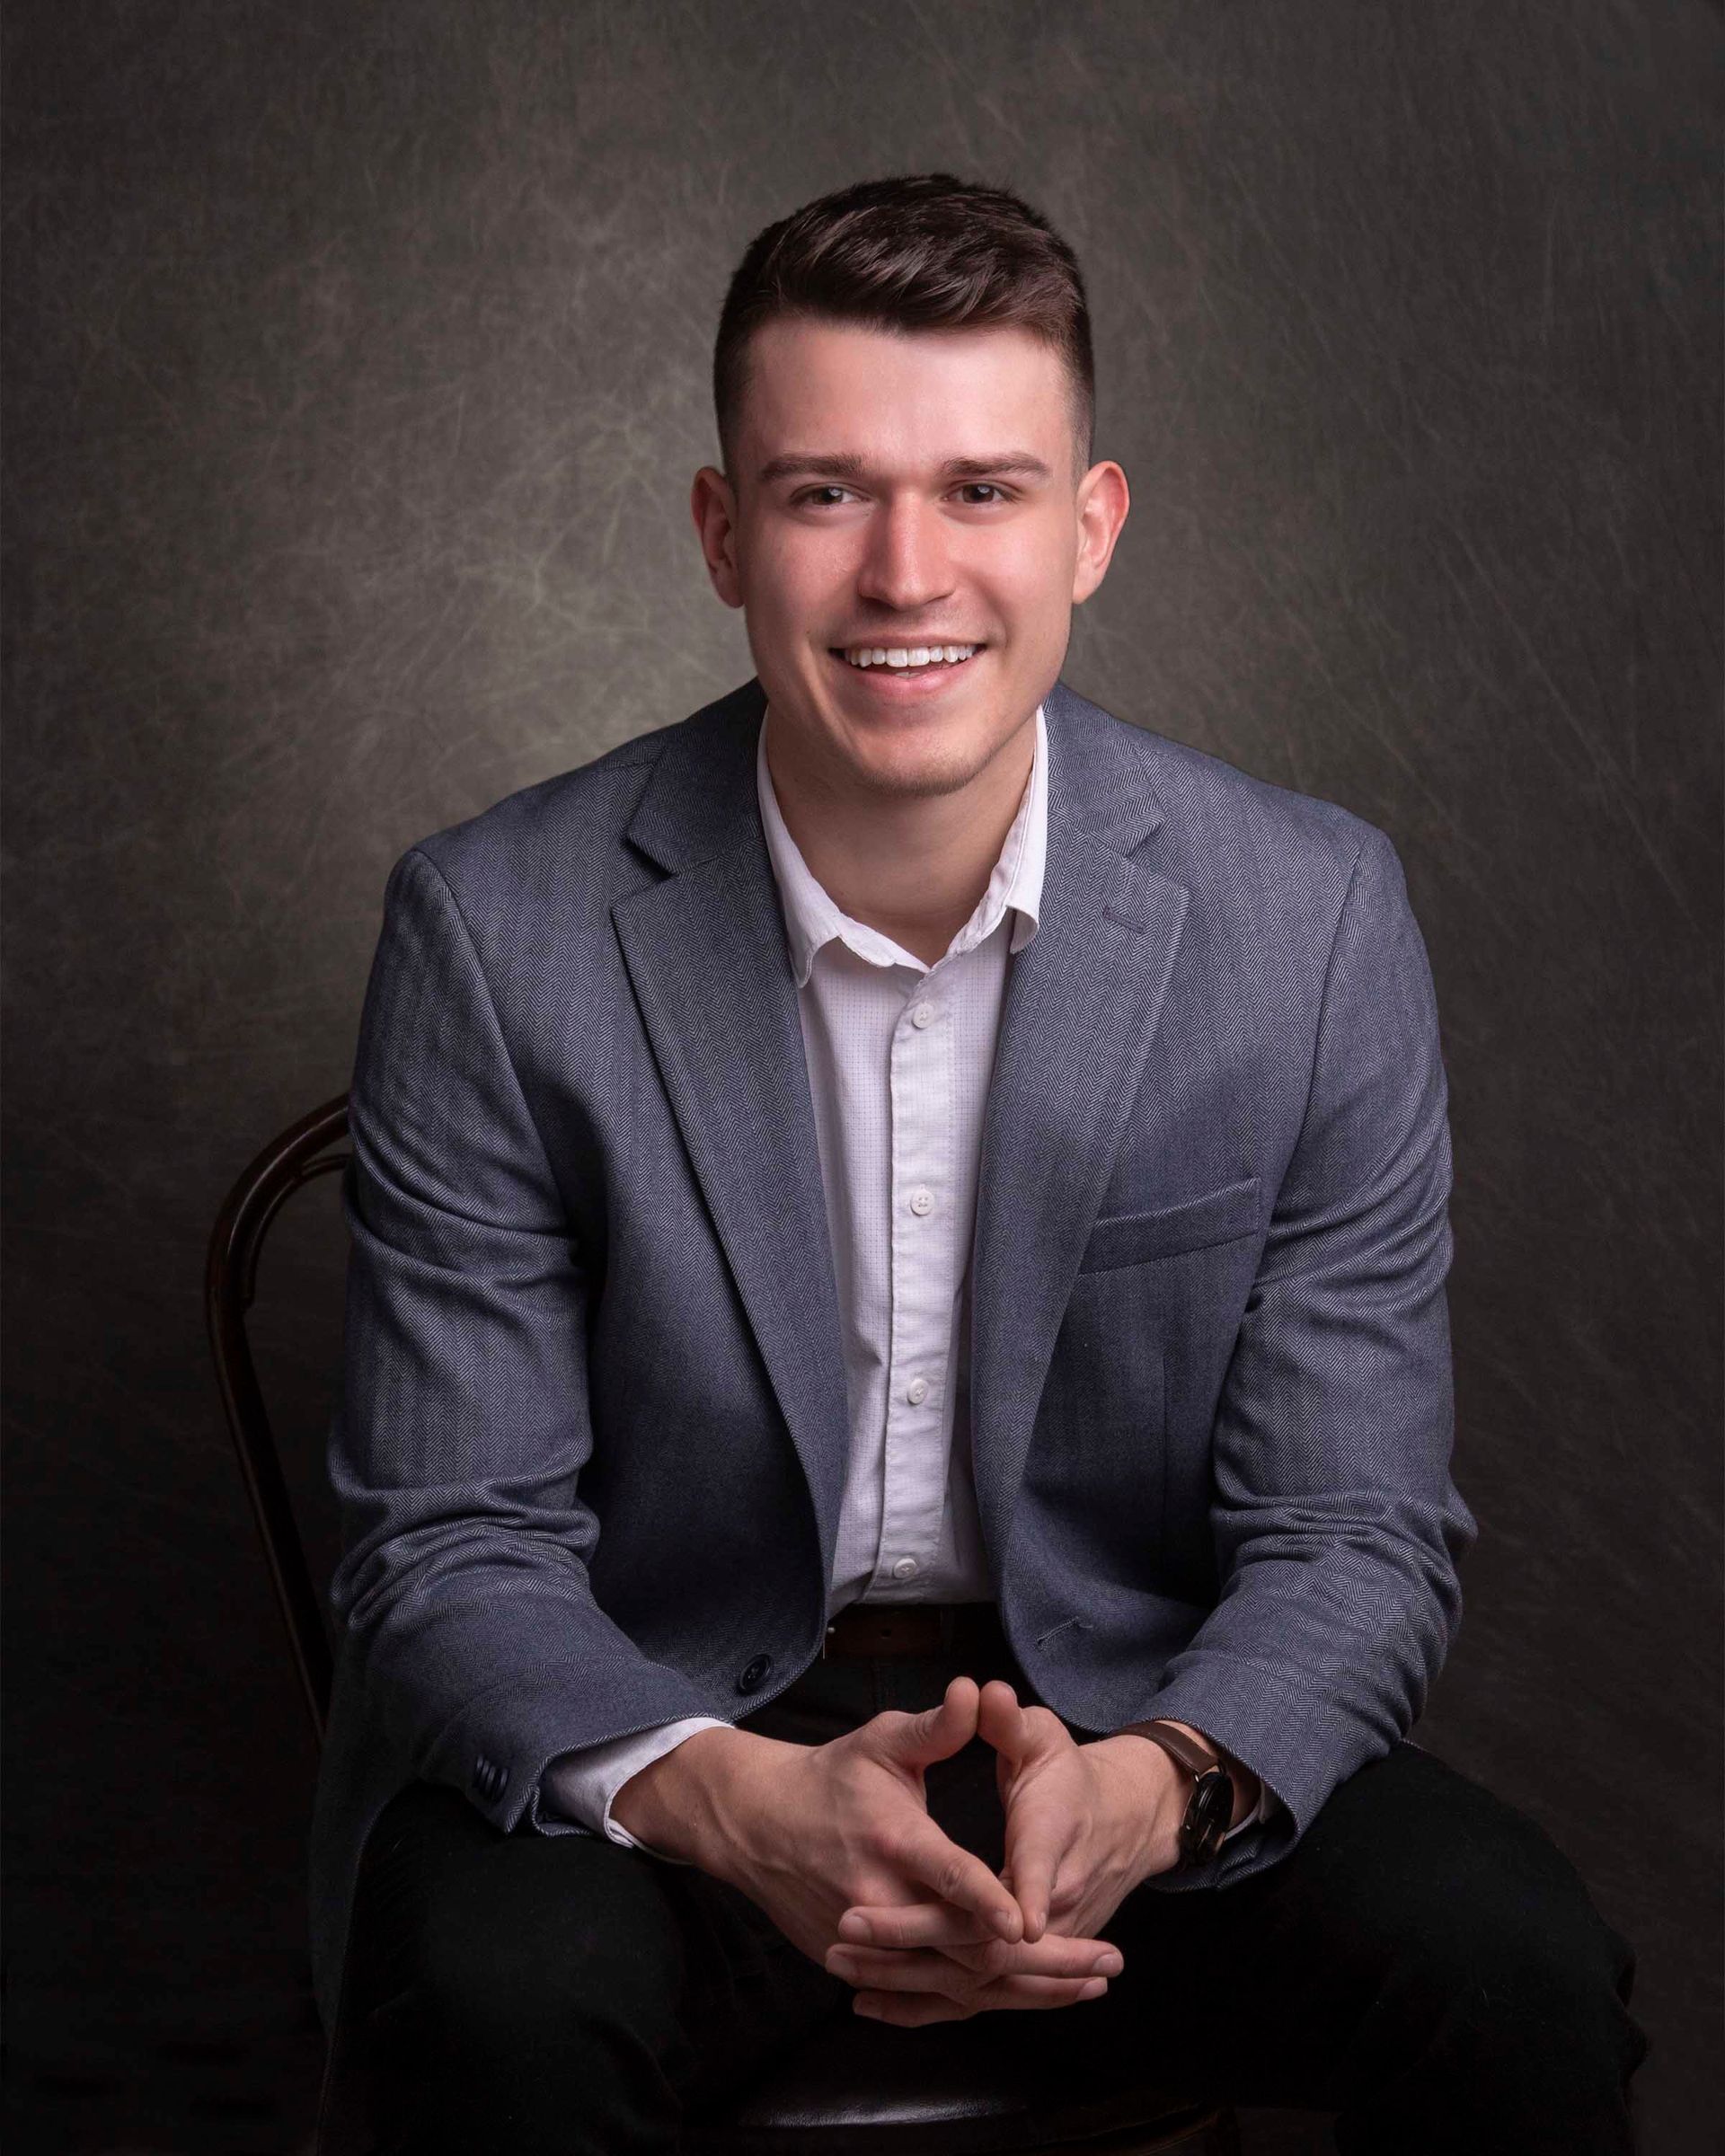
(1132, 1238)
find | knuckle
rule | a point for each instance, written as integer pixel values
(885, 1730)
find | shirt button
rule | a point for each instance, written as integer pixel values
(916, 1391)
(922, 1202)
(922, 1015)
(905, 1568)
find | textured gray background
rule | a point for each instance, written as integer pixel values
(359, 370)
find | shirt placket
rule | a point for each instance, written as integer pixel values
(922, 1106)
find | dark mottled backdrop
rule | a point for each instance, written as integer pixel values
(359, 362)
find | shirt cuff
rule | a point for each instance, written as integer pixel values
(583, 1784)
(1260, 1812)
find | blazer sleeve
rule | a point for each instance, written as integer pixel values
(463, 1423)
(1336, 1524)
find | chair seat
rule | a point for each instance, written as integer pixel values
(978, 2087)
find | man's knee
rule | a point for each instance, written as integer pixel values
(523, 1973)
(1485, 1931)
(516, 1992)
(1541, 1955)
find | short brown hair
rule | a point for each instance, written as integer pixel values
(921, 250)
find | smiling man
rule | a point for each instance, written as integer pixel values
(897, 1411)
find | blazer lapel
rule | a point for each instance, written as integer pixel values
(1083, 1000)
(707, 958)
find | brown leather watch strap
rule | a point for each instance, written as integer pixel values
(1211, 1800)
(1192, 1753)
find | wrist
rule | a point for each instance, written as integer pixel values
(679, 1803)
(1149, 1789)
(1245, 1784)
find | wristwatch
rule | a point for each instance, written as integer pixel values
(1210, 1805)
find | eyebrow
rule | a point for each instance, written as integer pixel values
(1015, 462)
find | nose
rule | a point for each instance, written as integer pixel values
(906, 564)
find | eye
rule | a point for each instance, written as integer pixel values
(806, 498)
(983, 486)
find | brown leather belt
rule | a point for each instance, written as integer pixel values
(930, 1628)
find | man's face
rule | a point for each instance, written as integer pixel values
(901, 492)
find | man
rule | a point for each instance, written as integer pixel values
(897, 1409)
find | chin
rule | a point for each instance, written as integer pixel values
(922, 771)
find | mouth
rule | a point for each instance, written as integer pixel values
(899, 671)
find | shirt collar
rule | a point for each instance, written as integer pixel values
(812, 920)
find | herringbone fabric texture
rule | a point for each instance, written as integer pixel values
(592, 1439)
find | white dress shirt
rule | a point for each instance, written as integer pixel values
(899, 1055)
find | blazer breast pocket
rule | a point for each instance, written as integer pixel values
(1134, 1238)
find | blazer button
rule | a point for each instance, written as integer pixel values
(755, 1674)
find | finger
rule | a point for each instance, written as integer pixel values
(1000, 1720)
(917, 1740)
(1036, 1864)
(914, 1925)
(907, 2011)
(869, 1969)
(1039, 1992)
(915, 2009)
(922, 1968)
(1054, 1956)
(957, 1876)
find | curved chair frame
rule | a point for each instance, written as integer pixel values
(311, 1147)
(793, 2112)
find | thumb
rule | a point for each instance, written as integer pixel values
(1000, 1722)
(916, 1740)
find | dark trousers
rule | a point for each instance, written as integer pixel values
(1425, 1964)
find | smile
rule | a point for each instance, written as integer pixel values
(902, 656)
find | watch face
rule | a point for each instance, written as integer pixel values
(1207, 1813)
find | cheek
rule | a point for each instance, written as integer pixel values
(799, 588)
(1031, 585)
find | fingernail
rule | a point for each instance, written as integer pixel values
(860, 2005)
(1094, 1988)
(841, 1965)
(1107, 1965)
(855, 1927)
(1007, 1926)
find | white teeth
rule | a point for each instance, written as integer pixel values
(917, 655)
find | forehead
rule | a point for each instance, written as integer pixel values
(908, 397)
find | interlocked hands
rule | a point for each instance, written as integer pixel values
(835, 1842)
(1084, 1824)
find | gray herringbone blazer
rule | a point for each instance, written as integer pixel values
(592, 1436)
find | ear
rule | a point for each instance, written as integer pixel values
(714, 505)
(1104, 499)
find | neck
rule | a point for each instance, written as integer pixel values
(912, 867)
